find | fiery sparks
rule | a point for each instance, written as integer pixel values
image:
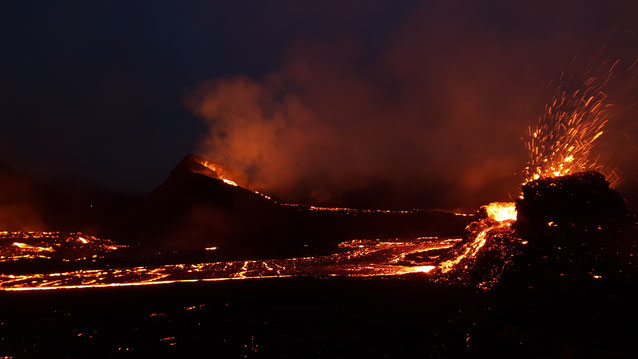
(562, 140)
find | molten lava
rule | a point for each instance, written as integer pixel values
(220, 171)
(501, 211)
(358, 258)
(498, 216)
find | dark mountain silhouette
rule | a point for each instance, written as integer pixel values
(194, 209)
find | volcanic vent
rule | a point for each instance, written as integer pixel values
(575, 225)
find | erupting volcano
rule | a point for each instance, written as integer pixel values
(320, 179)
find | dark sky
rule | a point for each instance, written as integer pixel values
(97, 90)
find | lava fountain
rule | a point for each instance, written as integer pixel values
(563, 139)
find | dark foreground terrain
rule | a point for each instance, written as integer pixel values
(324, 318)
(567, 287)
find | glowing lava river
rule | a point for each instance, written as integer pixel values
(356, 258)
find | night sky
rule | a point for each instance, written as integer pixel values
(111, 92)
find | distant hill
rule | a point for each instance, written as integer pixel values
(200, 205)
(195, 208)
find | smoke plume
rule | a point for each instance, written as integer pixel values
(431, 117)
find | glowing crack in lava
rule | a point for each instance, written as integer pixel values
(16, 246)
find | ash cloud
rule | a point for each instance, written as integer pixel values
(431, 117)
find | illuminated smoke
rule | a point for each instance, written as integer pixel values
(434, 114)
(430, 116)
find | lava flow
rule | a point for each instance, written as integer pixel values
(358, 258)
(500, 215)
(17, 246)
